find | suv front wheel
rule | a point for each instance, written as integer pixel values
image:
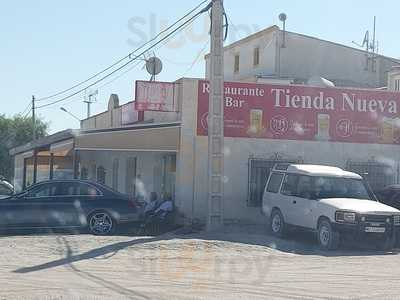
(328, 239)
(277, 223)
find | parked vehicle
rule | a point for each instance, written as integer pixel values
(329, 201)
(390, 195)
(68, 204)
(6, 188)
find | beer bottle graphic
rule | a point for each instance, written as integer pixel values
(256, 118)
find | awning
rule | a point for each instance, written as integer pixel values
(144, 139)
(62, 148)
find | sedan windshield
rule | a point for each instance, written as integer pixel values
(331, 187)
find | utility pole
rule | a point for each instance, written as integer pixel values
(216, 120)
(88, 107)
(89, 101)
(34, 139)
(33, 119)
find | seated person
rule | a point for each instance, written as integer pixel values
(165, 207)
(151, 205)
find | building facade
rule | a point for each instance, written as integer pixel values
(274, 55)
(166, 152)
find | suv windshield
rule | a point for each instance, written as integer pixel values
(332, 187)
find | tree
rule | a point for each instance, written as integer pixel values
(16, 131)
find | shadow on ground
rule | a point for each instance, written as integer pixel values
(301, 243)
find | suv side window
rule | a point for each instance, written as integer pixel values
(297, 186)
(274, 182)
(304, 187)
(289, 187)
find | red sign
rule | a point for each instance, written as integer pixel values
(151, 95)
(305, 113)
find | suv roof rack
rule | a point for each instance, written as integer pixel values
(281, 166)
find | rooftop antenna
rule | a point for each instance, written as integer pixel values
(283, 18)
(370, 46)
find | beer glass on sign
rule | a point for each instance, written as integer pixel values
(387, 130)
(256, 120)
(323, 126)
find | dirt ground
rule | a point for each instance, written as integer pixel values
(235, 263)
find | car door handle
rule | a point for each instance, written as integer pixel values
(294, 201)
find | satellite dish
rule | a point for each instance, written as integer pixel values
(282, 17)
(154, 66)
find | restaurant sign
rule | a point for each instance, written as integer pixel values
(295, 112)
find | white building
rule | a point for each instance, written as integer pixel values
(167, 152)
(273, 55)
(394, 79)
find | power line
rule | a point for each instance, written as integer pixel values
(135, 65)
(127, 56)
(132, 67)
(28, 107)
(120, 75)
(181, 27)
(196, 58)
(26, 115)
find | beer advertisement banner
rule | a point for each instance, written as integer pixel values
(305, 113)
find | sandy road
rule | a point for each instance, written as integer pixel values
(245, 264)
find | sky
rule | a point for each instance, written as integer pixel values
(48, 46)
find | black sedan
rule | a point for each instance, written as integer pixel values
(68, 204)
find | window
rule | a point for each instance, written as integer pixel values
(86, 190)
(84, 173)
(259, 170)
(297, 186)
(274, 182)
(332, 187)
(77, 189)
(304, 187)
(115, 174)
(236, 64)
(256, 56)
(377, 174)
(45, 190)
(101, 175)
(289, 187)
(130, 179)
(397, 85)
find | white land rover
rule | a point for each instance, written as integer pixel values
(329, 201)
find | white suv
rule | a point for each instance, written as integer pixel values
(329, 201)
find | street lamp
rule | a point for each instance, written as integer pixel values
(71, 114)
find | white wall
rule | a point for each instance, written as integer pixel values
(192, 162)
(393, 76)
(302, 58)
(19, 169)
(186, 164)
(148, 167)
(265, 42)
(239, 150)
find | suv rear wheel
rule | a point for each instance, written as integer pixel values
(277, 223)
(328, 239)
